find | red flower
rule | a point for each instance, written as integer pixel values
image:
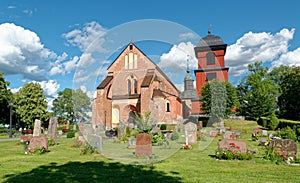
(231, 144)
(238, 147)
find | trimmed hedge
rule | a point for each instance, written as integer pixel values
(285, 123)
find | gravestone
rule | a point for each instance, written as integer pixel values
(25, 138)
(74, 128)
(143, 145)
(213, 133)
(284, 146)
(37, 128)
(36, 142)
(227, 143)
(264, 133)
(122, 128)
(257, 131)
(131, 143)
(95, 141)
(52, 129)
(200, 125)
(228, 135)
(190, 133)
(237, 134)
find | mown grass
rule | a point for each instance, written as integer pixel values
(65, 164)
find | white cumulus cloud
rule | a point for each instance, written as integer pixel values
(176, 58)
(23, 53)
(82, 38)
(253, 47)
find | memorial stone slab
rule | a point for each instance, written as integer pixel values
(284, 146)
(37, 128)
(190, 133)
(36, 142)
(143, 145)
(227, 143)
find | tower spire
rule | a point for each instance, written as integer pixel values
(209, 30)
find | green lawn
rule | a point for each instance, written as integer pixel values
(65, 164)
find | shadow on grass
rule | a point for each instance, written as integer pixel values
(92, 172)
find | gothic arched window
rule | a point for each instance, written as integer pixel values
(135, 86)
(129, 86)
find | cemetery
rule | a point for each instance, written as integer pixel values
(240, 150)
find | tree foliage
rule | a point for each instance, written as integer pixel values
(30, 103)
(5, 98)
(288, 80)
(218, 99)
(72, 106)
(257, 93)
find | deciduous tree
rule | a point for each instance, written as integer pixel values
(30, 103)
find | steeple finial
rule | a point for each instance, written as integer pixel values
(209, 30)
(187, 64)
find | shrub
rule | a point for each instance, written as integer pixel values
(232, 153)
(284, 123)
(287, 133)
(273, 122)
(163, 127)
(127, 131)
(51, 142)
(263, 121)
(70, 135)
(175, 135)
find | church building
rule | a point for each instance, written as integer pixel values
(135, 85)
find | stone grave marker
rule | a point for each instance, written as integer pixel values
(40, 141)
(37, 128)
(228, 135)
(131, 143)
(95, 141)
(143, 145)
(226, 143)
(213, 133)
(257, 131)
(52, 129)
(284, 146)
(264, 133)
(25, 138)
(190, 133)
(122, 128)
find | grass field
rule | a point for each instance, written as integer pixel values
(65, 164)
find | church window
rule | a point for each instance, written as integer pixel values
(126, 61)
(130, 60)
(210, 58)
(168, 107)
(135, 61)
(130, 47)
(135, 86)
(211, 76)
(129, 86)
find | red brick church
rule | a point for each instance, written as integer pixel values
(135, 84)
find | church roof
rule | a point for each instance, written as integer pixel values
(105, 82)
(147, 80)
(210, 40)
(158, 93)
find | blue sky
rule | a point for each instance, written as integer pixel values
(50, 41)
